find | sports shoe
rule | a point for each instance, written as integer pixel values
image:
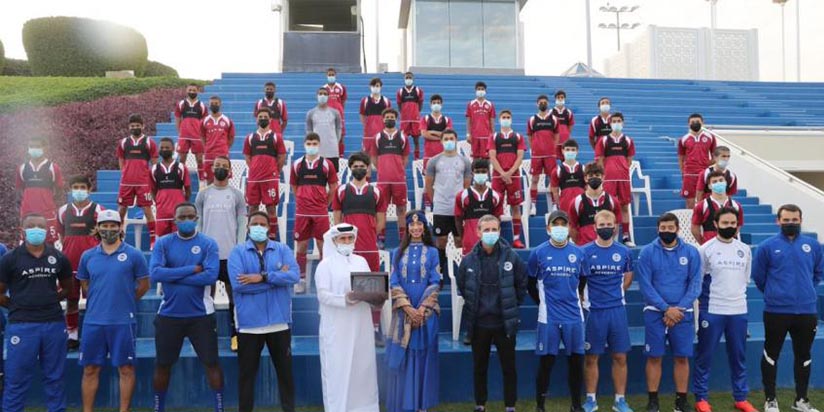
(590, 405)
(681, 406)
(532, 209)
(703, 406)
(539, 409)
(621, 406)
(233, 344)
(628, 243)
(576, 409)
(803, 405)
(652, 406)
(72, 345)
(466, 339)
(771, 406)
(745, 406)
(517, 244)
(300, 287)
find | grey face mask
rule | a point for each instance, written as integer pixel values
(109, 236)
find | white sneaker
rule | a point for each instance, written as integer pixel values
(300, 287)
(771, 406)
(803, 405)
(532, 210)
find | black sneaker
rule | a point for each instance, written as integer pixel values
(681, 406)
(539, 409)
(466, 339)
(576, 409)
(72, 345)
(652, 406)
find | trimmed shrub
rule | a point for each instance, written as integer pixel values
(156, 69)
(73, 46)
(15, 67)
(2, 56)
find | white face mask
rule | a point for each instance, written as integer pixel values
(605, 108)
(345, 249)
(560, 102)
(376, 90)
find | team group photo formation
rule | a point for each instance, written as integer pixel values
(409, 248)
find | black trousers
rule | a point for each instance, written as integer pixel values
(482, 341)
(802, 332)
(223, 276)
(248, 356)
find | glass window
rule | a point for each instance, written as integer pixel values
(432, 33)
(499, 34)
(466, 33)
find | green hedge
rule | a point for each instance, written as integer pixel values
(72, 46)
(15, 67)
(155, 69)
(2, 56)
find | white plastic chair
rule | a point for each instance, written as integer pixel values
(343, 170)
(507, 215)
(289, 145)
(684, 225)
(418, 182)
(454, 255)
(635, 169)
(386, 310)
(465, 149)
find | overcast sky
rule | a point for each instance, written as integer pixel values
(221, 36)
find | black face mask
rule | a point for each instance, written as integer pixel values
(389, 123)
(594, 182)
(166, 154)
(605, 233)
(214, 108)
(358, 174)
(136, 132)
(695, 126)
(192, 96)
(790, 229)
(270, 95)
(542, 107)
(263, 123)
(727, 232)
(667, 237)
(221, 174)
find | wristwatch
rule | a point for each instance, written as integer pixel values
(264, 277)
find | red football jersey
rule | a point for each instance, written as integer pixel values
(136, 155)
(359, 208)
(432, 148)
(168, 182)
(542, 135)
(570, 182)
(471, 205)
(75, 225)
(38, 183)
(217, 133)
(479, 114)
(391, 150)
(506, 147)
(410, 101)
(277, 108)
(190, 115)
(704, 215)
(697, 151)
(564, 119)
(311, 179)
(373, 110)
(337, 96)
(582, 214)
(729, 176)
(614, 151)
(598, 127)
(263, 152)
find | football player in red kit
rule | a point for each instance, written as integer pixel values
(314, 181)
(542, 140)
(567, 180)
(506, 152)
(475, 202)
(564, 119)
(371, 116)
(189, 112)
(276, 106)
(583, 209)
(136, 154)
(695, 151)
(480, 122)
(703, 215)
(721, 158)
(265, 154)
(76, 222)
(599, 125)
(410, 102)
(219, 133)
(392, 151)
(38, 181)
(337, 101)
(614, 153)
(171, 185)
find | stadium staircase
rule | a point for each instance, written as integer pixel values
(655, 113)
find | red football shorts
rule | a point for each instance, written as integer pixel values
(542, 165)
(372, 259)
(128, 194)
(369, 146)
(620, 189)
(394, 193)
(411, 128)
(513, 192)
(688, 183)
(479, 147)
(164, 227)
(195, 144)
(265, 193)
(309, 227)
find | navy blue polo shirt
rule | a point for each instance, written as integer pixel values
(32, 284)
(112, 279)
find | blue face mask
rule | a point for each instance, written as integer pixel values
(35, 236)
(80, 195)
(35, 152)
(408, 82)
(559, 233)
(258, 233)
(719, 187)
(490, 238)
(506, 122)
(480, 178)
(570, 155)
(186, 227)
(311, 150)
(450, 145)
(436, 107)
(330, 79)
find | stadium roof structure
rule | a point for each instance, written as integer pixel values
(581, 70)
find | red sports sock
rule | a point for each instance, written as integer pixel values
(201, 173)
(516, 229)
(376, 318)
(152, 226)
(273, 227)
(625, 228)
(533, 194)
(301, 258)
(72, 321)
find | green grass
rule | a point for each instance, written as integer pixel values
(21, 92)
(721, 402)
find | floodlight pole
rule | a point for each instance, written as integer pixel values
(798, 39)
(589, 42)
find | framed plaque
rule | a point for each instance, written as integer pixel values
(370, 282)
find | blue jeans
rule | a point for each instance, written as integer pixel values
(28, 344)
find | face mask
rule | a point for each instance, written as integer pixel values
(322, 98)
(80, 195)
(330, 79)
(192, 96)
(436, 107)
(450, 145)
(270, 95)
(723, 163)
(605, 233)
(311, 150)
(490, 238)
(617, 127)
(480, 178)
(542, 107)
(506, 122)
(35, 236)
(345, 249)
(570, 155)
(594, 182)
(35, 152)
(186, 227)
(560, 102)
(215, 108)
(407, 82)
(389, 123)
(358, 174)
(258, 233)
(109, 237)
(727, 232)
(480, 93)
(263, 123)
(790, 229)
(605, 108)
(376, 90)
(667, 237)
(695, 126)
(167, 154)
(221, 174)
(136, 132)
(559, 233)
(719, 187)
